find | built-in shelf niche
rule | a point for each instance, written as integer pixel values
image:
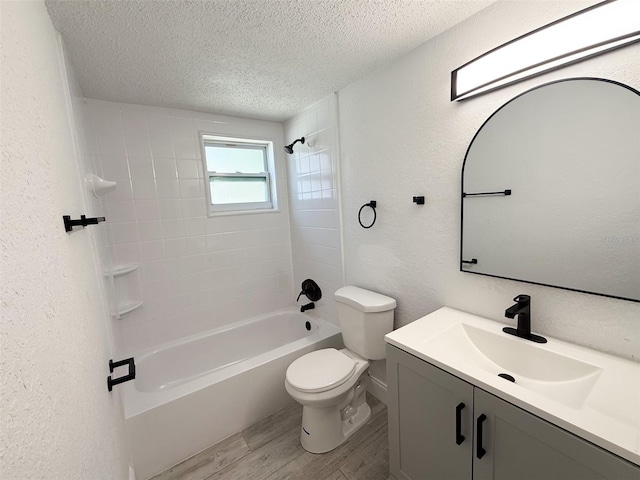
(123, 284)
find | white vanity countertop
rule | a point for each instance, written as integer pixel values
(601, 404)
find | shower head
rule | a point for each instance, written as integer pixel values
(289, 148)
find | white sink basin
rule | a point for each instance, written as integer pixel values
(562, 378)
(589, 393)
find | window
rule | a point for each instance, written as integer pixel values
(238, 174)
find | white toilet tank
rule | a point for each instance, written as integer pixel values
(365, 318)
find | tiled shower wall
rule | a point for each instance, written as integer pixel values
(196, 273)
(313, 180)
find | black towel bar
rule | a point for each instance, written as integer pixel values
(504, 192)
(83, 221)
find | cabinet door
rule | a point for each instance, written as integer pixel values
(523, 446)
(425, 406)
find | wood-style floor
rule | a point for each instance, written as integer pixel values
(271, 450)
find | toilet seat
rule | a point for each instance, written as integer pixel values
(320, 371)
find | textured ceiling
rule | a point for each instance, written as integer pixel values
(264, 59)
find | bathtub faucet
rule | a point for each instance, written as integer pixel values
(308, 306)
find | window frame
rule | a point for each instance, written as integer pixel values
(266, 146)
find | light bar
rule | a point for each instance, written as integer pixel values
(594, 30)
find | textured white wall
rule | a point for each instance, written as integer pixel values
(196, 273)
(57, 418)
(313, 198)
(401, 136)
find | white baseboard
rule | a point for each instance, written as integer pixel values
(378, 389)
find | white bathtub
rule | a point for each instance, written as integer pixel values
(192, 393)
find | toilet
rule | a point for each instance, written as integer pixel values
(330, 384)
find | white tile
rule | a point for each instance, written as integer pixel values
(154, 270)
(126, 253)
(303, 165)
(182, 127)
(195, 282)
(214, 225)
(330, 200)
(325, 162)
(205, 126)
(124, 233)
(172, 228)
(233, 240)
(123, 190)
(311, 118)
(151, 250)
(185, 147)
(193, 226)
(160, 135)
(314, 163)
(90, 130)
(214, 242)
(323, 113)
(161, 146)
(121, 211)
(147, 209)
(191, 188)
(141, 167)
(157, 289)
(194, 264)
(114, 167)
(324, 139)
(136, 133)
(326, 181)
(108, 125)
(174, 266)
(187, 168)
(144, 188)
(168, 187)
(175, 247)
(224, 259)
(195, 245)
(193, 207)
(150, 231)
(316, 181)
(170, 208)
(274, 235)
(328, 219)
(165, 167)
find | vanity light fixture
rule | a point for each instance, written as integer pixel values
(589, 32)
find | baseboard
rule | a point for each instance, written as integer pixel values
(378, 389)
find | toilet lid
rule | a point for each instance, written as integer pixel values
(320, 371)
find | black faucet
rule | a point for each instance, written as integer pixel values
(308, 306)
(523, 310)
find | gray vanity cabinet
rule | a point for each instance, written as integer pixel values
(424, 437)
(424, 404)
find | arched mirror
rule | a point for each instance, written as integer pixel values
(551, 189)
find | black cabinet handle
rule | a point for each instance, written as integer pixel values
(479, 450)
(459, 436)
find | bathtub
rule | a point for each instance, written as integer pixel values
(192, 393)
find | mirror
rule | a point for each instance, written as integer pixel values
(551, 189)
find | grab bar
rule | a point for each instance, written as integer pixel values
(132, 372)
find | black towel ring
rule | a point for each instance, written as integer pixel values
(371, 204)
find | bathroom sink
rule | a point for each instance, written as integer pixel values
(586, 392)
(530, 365)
